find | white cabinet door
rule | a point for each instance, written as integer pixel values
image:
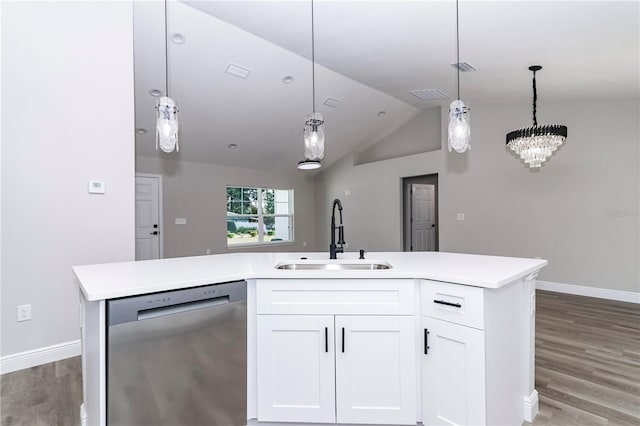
(296, 368)
(453, 381)
(375, 369)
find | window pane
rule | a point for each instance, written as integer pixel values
(242, 229)
(279, 230)
(268, 201)
(282, 202)
(234, 194)
(234, 207)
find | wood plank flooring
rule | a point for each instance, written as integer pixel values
(587, 370)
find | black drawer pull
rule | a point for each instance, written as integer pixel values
(326, 339)
(342, 339)
(426, 341)
(444, 302)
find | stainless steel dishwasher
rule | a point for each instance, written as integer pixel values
(178, 357)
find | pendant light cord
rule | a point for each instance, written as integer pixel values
(166, 51)
(535, 100)
(313, 62)
(458, 47)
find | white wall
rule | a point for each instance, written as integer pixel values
(579, 211)
(197, 192)
(67, 117)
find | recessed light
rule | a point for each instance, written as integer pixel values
(382, 113)
(232, 145)
(177, 38)
(141, 131)
(155, 93)
(288, 79)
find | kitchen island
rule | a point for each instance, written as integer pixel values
(437, 338)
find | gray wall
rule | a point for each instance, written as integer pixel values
(67, 117)
(579, 211)
(197, 192)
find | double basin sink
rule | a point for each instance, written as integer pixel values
(332, 265)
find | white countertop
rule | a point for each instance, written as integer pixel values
(112, 280)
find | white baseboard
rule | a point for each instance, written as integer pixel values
(531, 406)
(580, 290)
(28, 359)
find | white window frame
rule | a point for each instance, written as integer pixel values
(260, 215)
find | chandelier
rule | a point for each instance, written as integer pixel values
(535, 144)
(167, 110)
(314, 124)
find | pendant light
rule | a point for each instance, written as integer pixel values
(167, 110)
(314, 124)
(535, 144)
(459, 127)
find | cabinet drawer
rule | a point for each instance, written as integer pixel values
(455, 303)
(335, 296)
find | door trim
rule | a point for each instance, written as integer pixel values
(160, 208)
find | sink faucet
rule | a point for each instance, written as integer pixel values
(333, 250)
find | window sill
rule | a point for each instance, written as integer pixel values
(254, 245)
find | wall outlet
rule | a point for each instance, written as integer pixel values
(208, 251)
(24, 312)
(460, 216)
(181, 220)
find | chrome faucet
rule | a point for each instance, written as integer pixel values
(333, 249)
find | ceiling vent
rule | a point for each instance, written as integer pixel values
(463, 66)
(238, 71)
(333, 103)
(429, 94)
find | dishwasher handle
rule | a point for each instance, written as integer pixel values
(137, 308)
(183, 307)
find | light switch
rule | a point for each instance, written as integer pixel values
(460, 216)
(181, 220)
(96, 187)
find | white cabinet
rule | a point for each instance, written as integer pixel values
(336, 351)
(375, 369)
(452, 374)
(296, 368)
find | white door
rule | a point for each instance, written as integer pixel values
(423, 217)
(296, 368)
(453, 384)
(148, 217)
(375, 369)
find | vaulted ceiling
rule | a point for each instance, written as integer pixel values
(369, 56)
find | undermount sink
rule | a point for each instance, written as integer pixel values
(332, 266)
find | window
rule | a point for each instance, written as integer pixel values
(259, 215)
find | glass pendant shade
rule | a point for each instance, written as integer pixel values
(167, 125)
(314, 137)
(459, 127)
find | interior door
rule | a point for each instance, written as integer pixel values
(423, 223)
(148, 224)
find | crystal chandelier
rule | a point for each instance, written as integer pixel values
(314, 124)
(535, 144)
(459, 114)
(167, 110)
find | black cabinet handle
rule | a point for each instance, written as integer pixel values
(342, 339)
(426, 341)
(326, 339)
(444, 302)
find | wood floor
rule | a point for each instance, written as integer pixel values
(587, 370)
